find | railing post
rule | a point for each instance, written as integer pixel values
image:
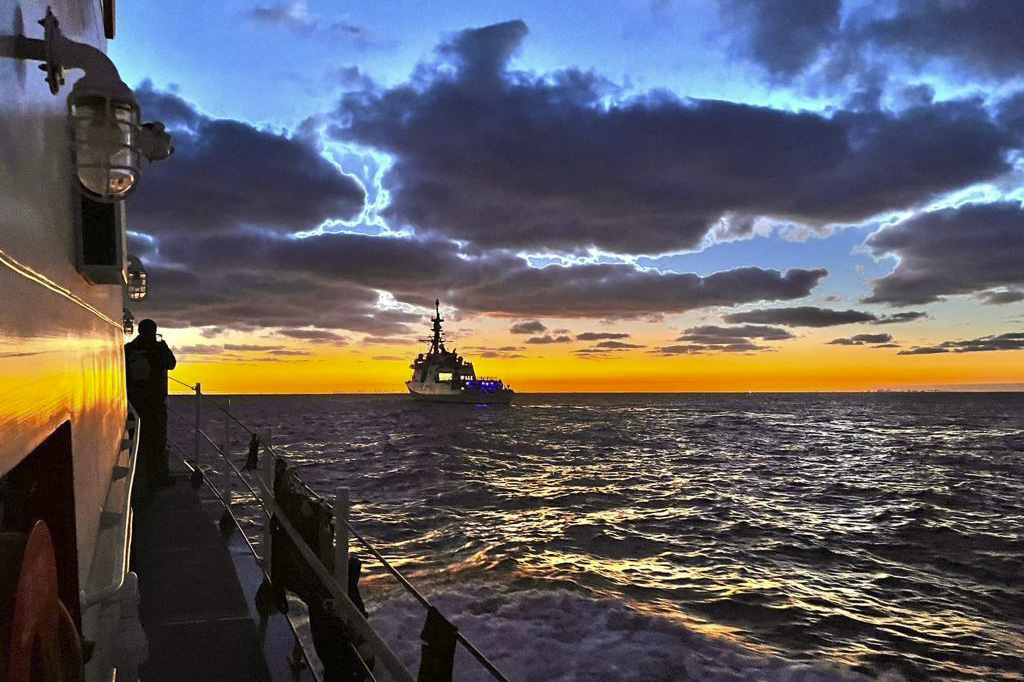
(267, 476)
(198, 414)
(341, 507)
(225, 447)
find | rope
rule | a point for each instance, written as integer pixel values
(179, 381)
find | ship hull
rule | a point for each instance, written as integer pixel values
(437, 394)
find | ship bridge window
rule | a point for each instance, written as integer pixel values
(444, 376)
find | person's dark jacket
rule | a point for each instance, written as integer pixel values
(147, 362)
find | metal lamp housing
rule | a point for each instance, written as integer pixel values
(104, 119)
(136, 279)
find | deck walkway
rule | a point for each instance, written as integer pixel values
(192, 607)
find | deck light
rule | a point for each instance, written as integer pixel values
(107, 142)
(137, 279)
(128, 322)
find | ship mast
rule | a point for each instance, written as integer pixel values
(436, 341)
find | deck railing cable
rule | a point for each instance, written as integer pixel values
(266, 501)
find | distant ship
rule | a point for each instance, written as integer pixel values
(443, 376)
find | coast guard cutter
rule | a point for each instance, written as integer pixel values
(440, 375)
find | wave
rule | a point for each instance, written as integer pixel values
(563, 636)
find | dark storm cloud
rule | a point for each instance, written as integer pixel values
(512, 160)
(980, 35)
(696, 348)
(615, 291)
(1002, 297)
(896, 318)
(492, 282)
(249, 347)
(315, 336)
(812, 316)
(236, 296)
(597, 336)
(782, 35)
(386, 340)
(227, 173)
(201, 349)
(219, 222)
(711, 334)
(1008, 341)
(801, 316)
(863, 339)
(952, 251)
(716, 339)
(528, 327)
(924, 350)
(548, 339)
(785, 37)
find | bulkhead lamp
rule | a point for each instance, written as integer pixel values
(107, 142)
(104, 139)
(128, 322)
(137, 279)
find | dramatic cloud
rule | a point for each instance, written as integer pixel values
(618, 345)
(811, 316)
(200, 349)
(249, 347)
(561, 161)
(528, 327)
(782, 35)
(227, 173)
(715, 339)
(801, 316)
(978, 35)
(952, 251)
(1009, 341)
(896, 318)
(315, 336)
(548, 339)
(1002, 297)
(607, 290)
(785, 37)
(864, 339)
(597, 336)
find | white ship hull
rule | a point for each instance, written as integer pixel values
(444, 393)
(61, 359)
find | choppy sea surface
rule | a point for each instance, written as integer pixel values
(672, 538)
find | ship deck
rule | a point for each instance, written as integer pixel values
(192, 605)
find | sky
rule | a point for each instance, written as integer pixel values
(664, 195)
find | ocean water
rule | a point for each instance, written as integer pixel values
(788, 537)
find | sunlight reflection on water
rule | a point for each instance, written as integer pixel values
(881, 531)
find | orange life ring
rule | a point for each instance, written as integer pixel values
(44, 643)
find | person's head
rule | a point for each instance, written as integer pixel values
(147, 329)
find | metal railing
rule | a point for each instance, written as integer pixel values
(261, 487)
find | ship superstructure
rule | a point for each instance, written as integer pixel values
(442, 375)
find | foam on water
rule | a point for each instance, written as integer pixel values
(562, 636)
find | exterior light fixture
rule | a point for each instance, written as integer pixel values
(128, 322)
(107, 142)
(137, 279)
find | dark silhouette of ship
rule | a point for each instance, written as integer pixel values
(443, 376)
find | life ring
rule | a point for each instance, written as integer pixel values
(43, 645)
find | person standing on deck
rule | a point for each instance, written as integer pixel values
(147, 360)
